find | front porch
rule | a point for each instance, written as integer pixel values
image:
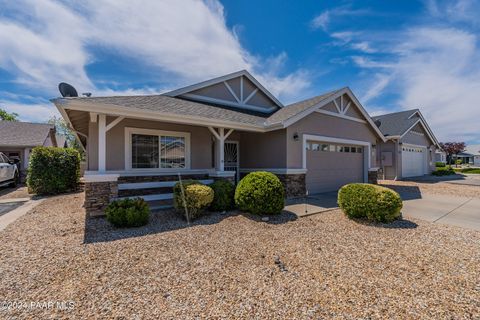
(142, 158)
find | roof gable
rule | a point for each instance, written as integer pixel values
(23, 134)
(238, 90)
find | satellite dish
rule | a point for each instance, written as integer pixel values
(67, 90)
(378, 123)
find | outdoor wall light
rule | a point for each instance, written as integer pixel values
(295, 136)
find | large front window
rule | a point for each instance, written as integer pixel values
(158, 150)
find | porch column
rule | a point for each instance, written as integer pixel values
(102, 147)
(220, 136)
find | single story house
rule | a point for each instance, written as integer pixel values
(17, 139)
(441, 156)
(471, 155)
(222, 128)
(410, 147)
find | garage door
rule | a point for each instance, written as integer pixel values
(413, 161)
(330, 166)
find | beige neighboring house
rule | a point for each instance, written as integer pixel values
(17, 139)
(222, 128)
(411, 146)
(473, 152)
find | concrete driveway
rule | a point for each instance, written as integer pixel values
(455, 211)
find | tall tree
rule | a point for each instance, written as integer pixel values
(62, 128)
(452, 148)
(4, 115)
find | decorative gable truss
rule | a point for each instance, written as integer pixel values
(238, 90)
(343, 107)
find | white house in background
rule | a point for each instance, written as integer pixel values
(474, 151)
(17, 139)
(441, 156)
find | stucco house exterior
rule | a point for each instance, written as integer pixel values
(410, 147)
(17, 139)
(471, 155)
(222, 128)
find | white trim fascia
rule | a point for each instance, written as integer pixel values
(93, 117)
(275, 170)
(250, 96)
(64, 115)
(336, 105)
(128, 147)
(226, 77)
(366, 154)
(413, 145)
(424, 128)
(347, 107)
(95, 176)
(414, 113)
(340, 115)
(164, 117)
(229, 103)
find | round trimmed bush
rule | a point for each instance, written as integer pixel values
(223, 193)
(128, 213)
(197, 198)
(53, 170)
(372, 202)
(260, 193)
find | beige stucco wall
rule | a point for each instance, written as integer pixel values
(325, 125)
(263, 150)
(389, 146)
(200, 143)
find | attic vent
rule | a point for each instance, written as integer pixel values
(378, 123)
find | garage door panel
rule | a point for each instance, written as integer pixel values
(328, 171)
(413, 161)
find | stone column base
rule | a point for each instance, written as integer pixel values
(99, 192)
(373, 174)
(294, 184)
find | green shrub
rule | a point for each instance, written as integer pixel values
(458, 161)
(443, 171)
(368, 201)
(128, 213)
(53, 170)
(260, 193)
(224, 192)
(197, 198)
(440, 164)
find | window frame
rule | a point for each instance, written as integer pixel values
(154, 132)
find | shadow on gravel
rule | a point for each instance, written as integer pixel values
(98, 229)
(397, 224)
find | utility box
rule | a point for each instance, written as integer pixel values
(387, 159)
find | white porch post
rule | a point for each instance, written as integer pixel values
(221, 149)
(102, 147)
(220, 137)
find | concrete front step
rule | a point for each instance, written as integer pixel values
(160, 204)
(152, 197)
(151, 185)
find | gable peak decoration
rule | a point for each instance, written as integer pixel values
(342, 104)
(238, 90)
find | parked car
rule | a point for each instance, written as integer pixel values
(8, 171)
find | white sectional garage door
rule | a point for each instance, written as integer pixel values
(413, 161)
(330, 166)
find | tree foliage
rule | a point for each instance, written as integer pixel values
(62, 128)
(6, 116)
(452, 148)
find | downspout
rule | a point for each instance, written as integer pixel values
(397, 156)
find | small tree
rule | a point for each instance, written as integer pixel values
(452, 148)
(4, 115)
(62, 128)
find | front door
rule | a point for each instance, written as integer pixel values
(231, 158)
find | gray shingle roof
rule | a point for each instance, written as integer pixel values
(172, 105)
(397, 123)
(178, 106)
(473, 149)
(23, 134)
(295, 108)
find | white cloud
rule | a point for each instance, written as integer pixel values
(184, 41)
(324, 19)
(379, 83)
(434, 69)
(363, 46)
(30, 112)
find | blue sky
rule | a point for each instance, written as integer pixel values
(394, 55)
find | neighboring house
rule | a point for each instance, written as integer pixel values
(17, 139)
(220, 128)
(410, 147)
(441, 156)
(61, 141)
(471, 155)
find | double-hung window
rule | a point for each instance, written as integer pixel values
(154, 149)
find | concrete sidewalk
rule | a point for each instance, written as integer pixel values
(14, 209)
(455, 211)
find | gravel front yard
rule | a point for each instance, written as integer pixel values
(14, 193)
(234, 266)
